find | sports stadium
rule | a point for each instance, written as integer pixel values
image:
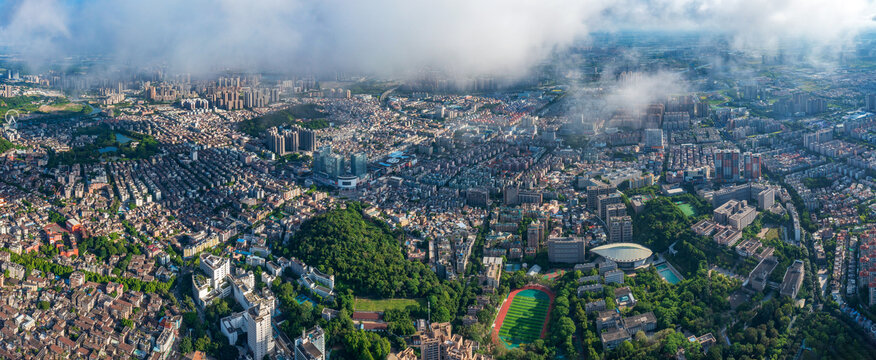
(628, 256)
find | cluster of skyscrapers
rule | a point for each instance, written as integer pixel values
(326, 162)
(285, 141)
(194, 104)
(800, 103)
(231, 98)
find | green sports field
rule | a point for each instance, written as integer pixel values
(525, 318)
(686, 208)
(362, 304)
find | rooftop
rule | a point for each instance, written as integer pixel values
(623, 252)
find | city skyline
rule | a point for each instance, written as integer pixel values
(489, 180)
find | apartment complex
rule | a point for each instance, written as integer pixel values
(793, 279)
(437, 342)
(737, 214)
(566, 249)
(311, 345)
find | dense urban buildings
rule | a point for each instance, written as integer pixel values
(285, 192)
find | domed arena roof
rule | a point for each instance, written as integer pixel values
(623, 252)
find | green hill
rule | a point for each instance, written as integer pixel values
(364, 255)
(294, 115)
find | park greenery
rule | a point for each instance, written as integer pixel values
(660, 224)
(295, 158)
(817, 182)
(60, 106)
(205, 335)
(826, 337)
(363, 254)
(757, 329)
(370, 87)
(574, 141)
(366, 258)
(622, 156)
(356, 344)
(5, 145)
(28, 103)
(141, 146)
(309, 116)
(33, 261)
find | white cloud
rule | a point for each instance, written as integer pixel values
(395, 36)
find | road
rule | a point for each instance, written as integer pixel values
(284, 341)
(385, 94)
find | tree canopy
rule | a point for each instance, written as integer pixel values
(659, 224)
(286, 117)
(364, 255)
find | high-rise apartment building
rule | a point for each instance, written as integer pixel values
(511, 195)
(216, 268)
(534, 234)
(277, 142)
(617, 209)
(477, 197)
(306, 140)
(654, 139)
(620, 229)
(593, 193)
(259, 334)
(529, 197)
(751, 166)
(870, 100)
(605, 201)
(311, 345)
(292, 143)
(817, 137)
(727, 165)
(359, 164)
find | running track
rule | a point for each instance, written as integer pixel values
(507, 304)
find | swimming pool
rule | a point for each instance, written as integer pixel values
(301, 298)
(667, 274)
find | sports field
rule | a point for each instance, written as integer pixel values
(686, 208)
(362, 304)
(525, 318)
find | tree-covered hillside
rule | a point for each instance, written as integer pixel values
(364, 255)
(659, 224)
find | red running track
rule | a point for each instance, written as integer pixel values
(504, 310)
